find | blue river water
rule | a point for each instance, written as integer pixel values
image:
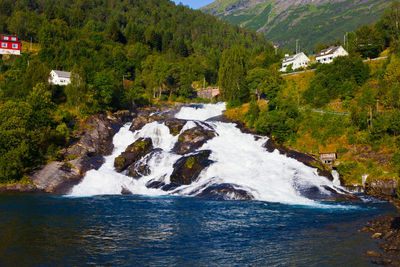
(43, 230)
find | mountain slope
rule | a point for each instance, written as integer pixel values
(311, 22)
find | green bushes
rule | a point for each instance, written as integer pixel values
(337, 80)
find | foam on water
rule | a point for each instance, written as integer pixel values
(239, 159)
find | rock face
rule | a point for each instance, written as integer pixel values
(133, 153)
(187, 169)
(270, 145)
(92, 141)
(192, 139)
(385, 189)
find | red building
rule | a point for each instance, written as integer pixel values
(10, 45)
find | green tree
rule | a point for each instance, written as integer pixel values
(232, 75)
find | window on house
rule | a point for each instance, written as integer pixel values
(14, 38)
(14, 46)
(3, 44)
(5, 37)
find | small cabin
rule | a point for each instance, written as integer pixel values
(327, 154)
(10, 45)
(58, 77)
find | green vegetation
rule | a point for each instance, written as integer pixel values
(121, 54)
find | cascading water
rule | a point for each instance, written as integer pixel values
(239, 160)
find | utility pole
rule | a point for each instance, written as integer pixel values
(297, 46)
(377, 105)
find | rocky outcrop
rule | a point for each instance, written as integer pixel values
(133, 153)
(307, 160)
(187, 169)
(175, 125)
(384, 189)
(141, 121)
(192, 139)
(85, 152)
(225, 192)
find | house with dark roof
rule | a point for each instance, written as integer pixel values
(297, 61)
(59, 77)
(326, 56)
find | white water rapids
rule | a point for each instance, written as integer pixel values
(238, 159)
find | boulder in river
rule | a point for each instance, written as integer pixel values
(187, 169)
(225, 192)
(133, 153)
(192, 139)
(175, 125)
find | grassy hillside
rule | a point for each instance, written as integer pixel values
(312, 23)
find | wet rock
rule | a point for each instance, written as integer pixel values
(125, 191)
(170, 186)
(376, 236)
(138, 172)
(225, 192)
(307, 160)
(192, 139)
(175, 125)
(154, 184)
(133, 153)
(187, 169)
(371, 253)
(141, 121)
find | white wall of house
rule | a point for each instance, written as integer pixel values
(57, 79)
(297, 61)
(328, 58)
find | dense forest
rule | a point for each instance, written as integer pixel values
(121, 54)
(352, 104)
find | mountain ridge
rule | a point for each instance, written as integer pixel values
(310, 22)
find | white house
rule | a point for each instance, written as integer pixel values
(297, 61)
(327, 55)
(59, 77)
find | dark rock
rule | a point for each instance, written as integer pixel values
(138, 172)
(192, 139)
(125, 191)
(154, 184)
(175, 125)
(187, 169)
(225, 192)
(133, 153)
(307, 160)
(141, 121)
(19, 188)
(171, 186)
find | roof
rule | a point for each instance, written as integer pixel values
(328, 51)
(327, 149)
(62, 74)
(293, 57)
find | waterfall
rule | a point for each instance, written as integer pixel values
(239, 160)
